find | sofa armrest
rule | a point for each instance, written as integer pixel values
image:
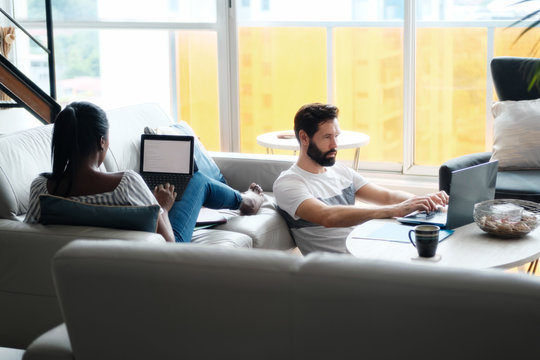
(28, 303)
(52, 345)
(461, 162)
(27, 250)
(241, 170)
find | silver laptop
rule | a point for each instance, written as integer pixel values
(167, 159)
(468, 186)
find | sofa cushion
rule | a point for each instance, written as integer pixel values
(267, 228)
(516, 134)
(519, 185)
(241, 170)
(204, 161)
(59, 210)
(245, 294)
(23, 156)
(222, 238)
(126, 124)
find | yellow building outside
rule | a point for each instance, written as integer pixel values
(282, 68)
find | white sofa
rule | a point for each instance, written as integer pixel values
(28, 304)
(125, 300)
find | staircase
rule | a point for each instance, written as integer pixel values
(26, 93)
(23, 91)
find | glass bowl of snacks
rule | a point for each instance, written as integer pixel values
(509, 218)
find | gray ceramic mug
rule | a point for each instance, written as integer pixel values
(426, 239)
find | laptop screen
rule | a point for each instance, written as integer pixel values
(167, 155)
(468, 187)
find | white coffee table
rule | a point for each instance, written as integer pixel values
(467, 247)
(346, 140)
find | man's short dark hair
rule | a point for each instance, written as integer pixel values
(310, 116)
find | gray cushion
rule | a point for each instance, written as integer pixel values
(59, 210)
(267, 228)
(519, 185)
(222, 238)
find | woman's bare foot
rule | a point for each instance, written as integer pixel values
(252, 200)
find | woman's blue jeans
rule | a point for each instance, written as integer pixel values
(201, 191)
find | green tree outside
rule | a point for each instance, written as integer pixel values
(76, 52)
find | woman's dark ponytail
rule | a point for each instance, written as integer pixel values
(78, 130)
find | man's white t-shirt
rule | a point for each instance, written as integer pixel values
(336, 186)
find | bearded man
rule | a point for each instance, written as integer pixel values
(320, 199)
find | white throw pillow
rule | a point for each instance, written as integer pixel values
(516, 135)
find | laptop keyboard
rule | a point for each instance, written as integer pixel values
(424, 214)
(179, 181)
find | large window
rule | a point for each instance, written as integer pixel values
(349, 53)
(121, 52)
(412, 74)
(455, 41)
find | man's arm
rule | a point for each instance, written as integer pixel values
(376, 194)
(315, 211)
(390, 204)
(379, 195)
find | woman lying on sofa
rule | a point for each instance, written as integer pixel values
(79, 144)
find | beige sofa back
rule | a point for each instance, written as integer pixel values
(126, 126)
(141, 301)
(23, 155)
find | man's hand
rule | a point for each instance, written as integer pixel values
(427, 203)
(165, 195)
(440, 198)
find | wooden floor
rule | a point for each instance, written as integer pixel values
(524, 269)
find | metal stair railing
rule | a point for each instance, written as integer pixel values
(23, 90)
(26, 93)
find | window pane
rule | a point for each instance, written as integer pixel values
(120, 10)
(119, 67)
(108, 67)
(29, 58)
(313, 10)
(61, 9)
(450, 93)
(288, 48)
(508, 44)
(280, 70)
(158, 10)
(135, 67)
(452, 68)
(467, 10)
(197, 84)
(369, 88)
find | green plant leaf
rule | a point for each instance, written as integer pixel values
(535, 73)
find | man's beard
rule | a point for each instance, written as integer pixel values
(316, 155)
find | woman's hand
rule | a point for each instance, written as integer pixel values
(165, 195)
